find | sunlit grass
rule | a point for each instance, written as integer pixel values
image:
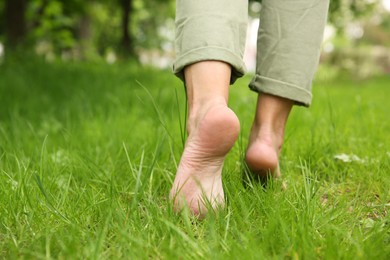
(88, 154)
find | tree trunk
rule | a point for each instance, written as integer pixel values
(85, 45)
(15, 22)
(127, 40)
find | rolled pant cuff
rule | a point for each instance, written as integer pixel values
(282, 89)
(210, 53)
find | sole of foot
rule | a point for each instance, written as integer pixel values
(198, 182)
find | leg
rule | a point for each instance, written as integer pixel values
(212, 130)
(210, 42)
(289, 40)
(266, 138)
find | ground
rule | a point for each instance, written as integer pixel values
(88, 154)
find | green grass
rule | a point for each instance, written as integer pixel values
(88, 153)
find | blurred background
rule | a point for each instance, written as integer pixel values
(356, 39)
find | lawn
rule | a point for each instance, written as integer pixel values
(88, 153)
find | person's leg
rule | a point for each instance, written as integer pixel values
(266, 137)
(210, 30)
(290, 36)
(210, 42)
(212, 130)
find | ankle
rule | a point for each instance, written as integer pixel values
(198, 109)
(271, 114)
(267, 135)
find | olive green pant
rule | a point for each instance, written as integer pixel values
(288, 45)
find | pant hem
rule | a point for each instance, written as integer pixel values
(210, 53)
(282, 89)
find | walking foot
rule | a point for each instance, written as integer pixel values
(198, 183)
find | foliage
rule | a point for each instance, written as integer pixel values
(149, 22)
(2, 25)
(342, 12)
(91, 29)
(50, 21)
(81, 28)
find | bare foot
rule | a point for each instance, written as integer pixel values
(198, 182)
(262, 155)
(266, 138)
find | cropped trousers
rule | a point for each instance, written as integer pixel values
(288, 43)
